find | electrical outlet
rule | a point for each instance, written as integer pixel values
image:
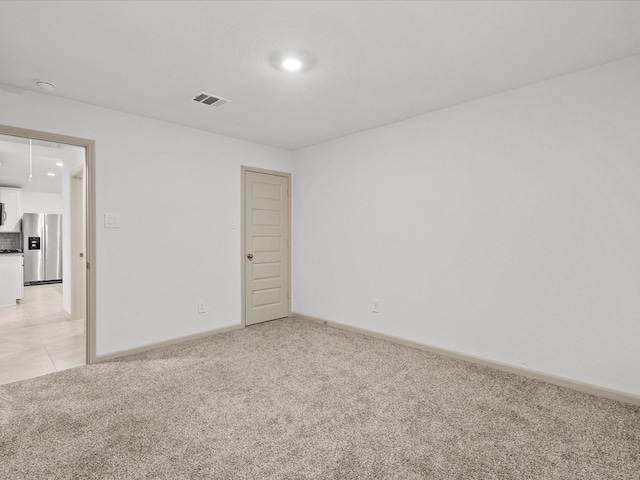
(376, 306)
(201, 308)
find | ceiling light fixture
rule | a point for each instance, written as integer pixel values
(292, 61)
(60, 164)
(51, 174)
(291, 64)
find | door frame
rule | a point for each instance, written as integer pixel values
(90, 233)
(77, 247)
(243, 252)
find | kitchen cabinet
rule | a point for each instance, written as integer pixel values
(11, 199)
(11, 279)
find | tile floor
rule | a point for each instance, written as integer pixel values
(36, 337)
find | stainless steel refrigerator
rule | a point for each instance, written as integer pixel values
(42, 247)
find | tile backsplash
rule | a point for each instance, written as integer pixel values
(10, 240)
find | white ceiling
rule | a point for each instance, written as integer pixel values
(375, 62)
(19, 161)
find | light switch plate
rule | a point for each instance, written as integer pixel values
(111, 220)
(376, 306)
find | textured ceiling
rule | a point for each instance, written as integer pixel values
(374, 62)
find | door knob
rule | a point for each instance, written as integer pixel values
(250, 256)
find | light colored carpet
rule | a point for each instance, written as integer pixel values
(292, 399)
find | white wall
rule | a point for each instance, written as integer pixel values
(176, 190)
(507, 228)
(39, 202)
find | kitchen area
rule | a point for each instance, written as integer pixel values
(30, 248)
(11, 256)
(40, 332)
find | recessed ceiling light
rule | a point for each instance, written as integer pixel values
(51, 174)
(45, 86)
(291, 64)
(292, 60)
(60, 164)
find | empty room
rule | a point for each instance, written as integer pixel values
(324, 239)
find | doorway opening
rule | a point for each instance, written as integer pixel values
(74, 288)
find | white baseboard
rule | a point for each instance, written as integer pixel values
(165, 343)
(585, 387)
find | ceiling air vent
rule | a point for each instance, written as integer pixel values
(208, 99)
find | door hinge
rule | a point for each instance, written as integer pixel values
(88, 266)
(287, 243)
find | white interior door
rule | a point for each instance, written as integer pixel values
(267, 244)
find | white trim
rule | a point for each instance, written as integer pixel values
(166, 343)
(584, 387)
